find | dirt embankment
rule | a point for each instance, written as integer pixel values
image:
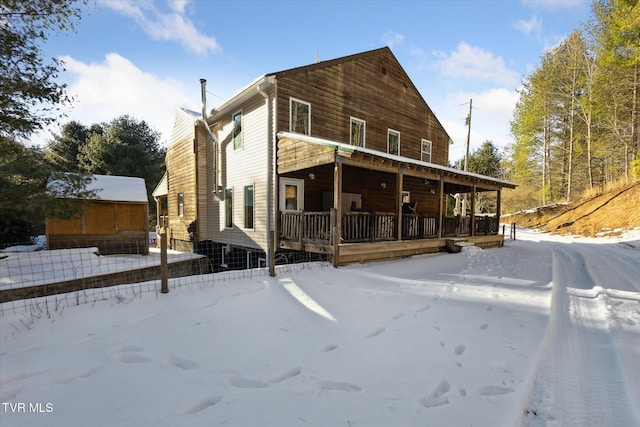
(609, 212)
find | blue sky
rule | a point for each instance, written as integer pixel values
(145, 58)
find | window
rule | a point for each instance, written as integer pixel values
(393, 142)
(237, 130)
(291, 194)
(358, 130)
(300, 120)
(248, 206)
(180, 204)
(228, 207)
(425, 151)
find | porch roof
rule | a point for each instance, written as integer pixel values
(348, 150)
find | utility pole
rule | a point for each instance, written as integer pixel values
(466, 157)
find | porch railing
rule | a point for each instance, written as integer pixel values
(306, 227)
(368, 226)
(419, 227)
(316, 227)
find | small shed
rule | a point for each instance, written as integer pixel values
(116, 221)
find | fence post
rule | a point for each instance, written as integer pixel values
(164, 268)
(513, 231)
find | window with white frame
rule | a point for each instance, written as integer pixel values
(358, 132)
(425, 150)
(248, 206)
(393, 142)
(300, 116)
(180, 204)
(228, 207)
(236, 133)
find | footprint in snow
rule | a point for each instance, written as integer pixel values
(459, 349)
(423, 308)
(375, 332)
(338, 386)
(484, 326)
(398, 316)
(437, 398)
(203, 404)
(288, 374)
(240, 382)
(329, 348)
(79, 375)
(495, 390)
(128, 354)
(182, 363)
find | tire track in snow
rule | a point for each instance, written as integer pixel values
(579, 380)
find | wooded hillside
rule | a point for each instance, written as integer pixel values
(576, 124)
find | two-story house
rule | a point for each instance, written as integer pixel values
(342, 157)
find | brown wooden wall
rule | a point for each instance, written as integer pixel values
(181, 169)
(368, 184)
(113, 227)
(372, 87)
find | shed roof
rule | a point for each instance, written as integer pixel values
(115, 188)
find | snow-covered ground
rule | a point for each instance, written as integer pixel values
(542, 332)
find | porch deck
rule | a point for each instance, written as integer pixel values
(367, 236)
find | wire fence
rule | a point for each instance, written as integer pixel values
(35, 281)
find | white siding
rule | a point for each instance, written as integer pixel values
(239, 168)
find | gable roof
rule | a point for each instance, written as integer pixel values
(268, 79)
(112, 188)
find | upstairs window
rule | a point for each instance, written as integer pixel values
(300, 116)
(358, 131)
(393, 142)
(236, 133)
(425, 150)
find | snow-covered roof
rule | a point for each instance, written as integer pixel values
(116, 188)
(162, 189)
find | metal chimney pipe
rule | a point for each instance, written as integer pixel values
(203, 94)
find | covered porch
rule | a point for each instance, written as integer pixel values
(360, 205)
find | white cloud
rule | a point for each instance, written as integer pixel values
(490, 118)
(532, 27)
(469, 62)
(170, 25)
(104, 91)
(392, 39)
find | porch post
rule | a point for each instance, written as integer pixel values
(498, 207)
(441, 212)
(472, 232)
(399, 186)
(337, 206)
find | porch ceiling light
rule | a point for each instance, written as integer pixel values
(312, 175)
(383, 184)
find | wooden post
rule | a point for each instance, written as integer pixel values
(472, 232)
(399, 187)
(441, 212)
(337, 205)
(164, 267)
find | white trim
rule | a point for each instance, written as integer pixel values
(389, 131)
(422, 152)
(364, 130)
(244, 206)
(291, 181)
(233, 123)
(300, 101)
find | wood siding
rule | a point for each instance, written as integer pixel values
(181, 171)
(372, 87)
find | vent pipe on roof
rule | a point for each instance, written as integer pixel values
(203, 93)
